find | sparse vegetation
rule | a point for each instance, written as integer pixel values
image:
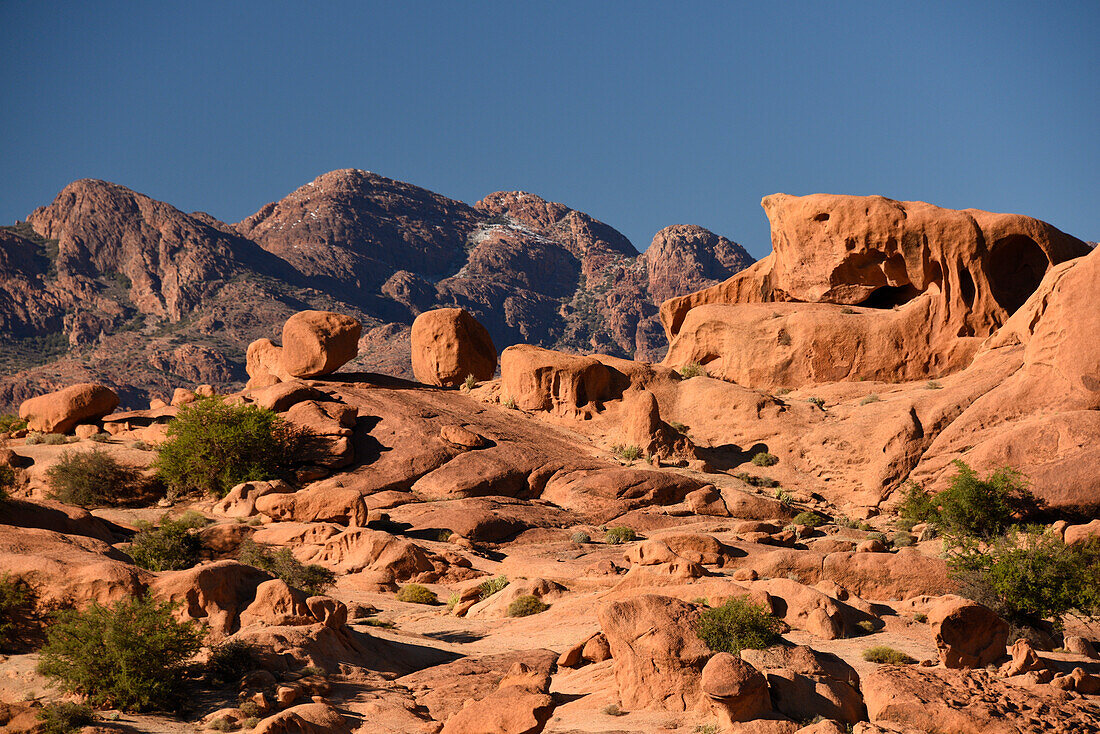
(848, 310)
(626, 453)
(920, 617)
(64, 717)
(170, 546)
(784, 497)
(763, 458)
(100, 437)
(312, 579)
(678, 427)
(212, 446)
(819, 402)
(970, 506)
(48, 439)
(737, 625)
(92, 478)
(933, 385)
(509, 403)
(526, 605)
(416, 594)
(886, 656)
(129, 655)
(620, 534)
(872, 398)
(757, 480)
(692, 369)
(581, 537)
(16, 603)
(10, 423)
(7, 480)
(229, 661)
(866, 625)
(470, 382)
(809, 519)
(1029, 575)
(492, 586)
(612, 709)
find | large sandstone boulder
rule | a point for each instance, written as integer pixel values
(968, 635)
(658, 657)
(541, 379)
(59, 412)
(215, 593)
(520, 705)
(805, 683)
(448, 345)
(307, 718)
(930, 284)
(315, 343)
(736, 690)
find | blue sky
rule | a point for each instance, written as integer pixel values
(641, 114)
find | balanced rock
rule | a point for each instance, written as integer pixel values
(315, 343)
(59, 412)
(968, 634)
(448, 345)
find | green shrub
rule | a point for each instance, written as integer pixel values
(902, 540)
(627, 453)
(129, 655)
(678, 427)
(10, 423)
(886, 656)
(91, 478)
(470, 382)
(509, 403)
(229, 661)
(250, 723)
(916, 506)
(756, 481)
(453, 600)
(920, 617)
(692, 369)
(312, 579)
(16, 605)
(738, 625)
(983, 507)
(57, 439)
(526, 605)
(819, 402)
(492, 586)
(581, 537)
(7, 480)
(809, 519)
(100, 437)
(64, 718)
(872, 398)
(765, 459)
(784, 496)
(213, 446)
(416, 594)
(33, 438)
(171, 546)
(1030, 575)
(619, 535)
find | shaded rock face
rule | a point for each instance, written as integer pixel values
(104, 277)
(936, 280)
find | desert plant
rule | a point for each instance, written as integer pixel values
(933, 385)
(492, 586)
(627, 453)
(886, 656)
(222, 723)
(819, 402)
(526, 605)
(33, 438)
(678, 427)
(983, 507)
(866, 626)
(902, 540)
(7, 480)
(620, 534)
(920, 617)
(312, 579)
(848, 310)
(809, 519)
(784, 496)
(763, 458)
(129, 655)
(229, 661)
(1029, 575)
(57, 439)
(212, 446)
(692, 369)
(470, 382)
(581, 537)
(444, 535)
(612, 709)
(140, 445)
(916, 506)
(170, 546)
(757, 481)
(10, 422)
(737, 625)
(453, 600)
(872, 398)
(250, 723)
(416, 594)
(509, 403)
(64, 717)
(16, 605)
(100, 437)
(91, 478)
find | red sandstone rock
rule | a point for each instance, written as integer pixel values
(59, 412)
(448, 345)
(967, 634)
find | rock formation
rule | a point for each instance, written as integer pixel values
(60, 411)
(449, 345)
(315, 343)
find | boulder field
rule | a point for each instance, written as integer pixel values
(577, 517)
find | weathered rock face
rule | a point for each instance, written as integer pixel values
(967, 634)
(685, 258)
(59, 412)
(736, 690)
(953, 276)
(658, 658)
(539, 379)
(805, 683)
(448, 344)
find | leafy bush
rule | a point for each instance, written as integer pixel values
(91, 478)
(10, 423)
(470, 382)
(526, 605)
(763, 458)
(129, 655)
(1030, 575)
(692, 369)
(983, 507)
(492, 586)
(16, 605)
(64, 718)
(312, 579)
(229, 661)
(737, 625)
(784, 496)
(916, 506)
(581, 537)
(416, 594)
(886, 656)
(621, 534)
(171, 546)
(809, 519)
(627, 453)
(756, 481)
(212, 446)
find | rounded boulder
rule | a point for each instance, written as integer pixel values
(448, 344)
(318, 343)
(59, 412)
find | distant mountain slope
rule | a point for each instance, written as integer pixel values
(107, 284)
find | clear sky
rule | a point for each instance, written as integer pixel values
(641, 114)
